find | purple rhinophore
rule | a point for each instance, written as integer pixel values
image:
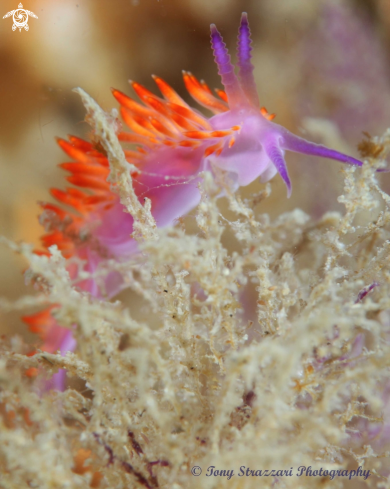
(225, 67)
(244, 47)
(245, 73)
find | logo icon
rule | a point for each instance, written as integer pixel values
(20, 17)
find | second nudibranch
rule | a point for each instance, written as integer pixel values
(171, 144)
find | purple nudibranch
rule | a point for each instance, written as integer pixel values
(174, 144)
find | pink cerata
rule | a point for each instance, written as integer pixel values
(174, 142)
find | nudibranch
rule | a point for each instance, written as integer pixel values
(171, 144)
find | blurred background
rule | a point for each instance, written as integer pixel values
(322, 66)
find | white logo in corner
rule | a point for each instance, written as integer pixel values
(20, 17)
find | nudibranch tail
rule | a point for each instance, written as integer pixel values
(225, 68)
(53, 337)
(245, 73)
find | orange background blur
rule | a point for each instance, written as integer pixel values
(327, 59)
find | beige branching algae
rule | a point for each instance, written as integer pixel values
(201, 382)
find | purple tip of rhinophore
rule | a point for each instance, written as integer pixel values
(244, 41)
(222, 57)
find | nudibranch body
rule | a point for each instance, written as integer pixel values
(173, 144)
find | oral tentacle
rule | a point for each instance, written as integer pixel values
(299, 145)
(245, 73)
(275, 154)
